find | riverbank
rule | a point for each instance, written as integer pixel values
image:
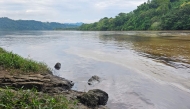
(29, 84)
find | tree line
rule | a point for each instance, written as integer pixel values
(151, 15)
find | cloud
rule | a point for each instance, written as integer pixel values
(65, 10)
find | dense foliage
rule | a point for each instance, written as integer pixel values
(8, 24)
(152, 15)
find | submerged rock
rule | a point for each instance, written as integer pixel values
(94, 98)
(57, 66)
(93, 80)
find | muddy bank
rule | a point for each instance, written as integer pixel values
(54, 85)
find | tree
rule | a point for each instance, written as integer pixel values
(153, 15)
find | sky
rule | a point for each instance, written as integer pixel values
(66, 11)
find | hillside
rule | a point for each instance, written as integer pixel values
(151, 15)
(9, 24)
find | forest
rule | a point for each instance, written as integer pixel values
(151, 15)
(9, 24)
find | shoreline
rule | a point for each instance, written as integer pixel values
(46, 83)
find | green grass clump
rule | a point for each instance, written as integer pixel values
(9, 60)
(31, 99)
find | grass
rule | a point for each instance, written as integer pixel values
(9, 60)
(31, 99)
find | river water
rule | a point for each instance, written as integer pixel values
(139, 70)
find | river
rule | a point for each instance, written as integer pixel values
(138, 69)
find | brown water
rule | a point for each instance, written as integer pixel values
(139, 70)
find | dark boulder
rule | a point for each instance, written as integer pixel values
(93, 80)
(94, 98)
(57, 66)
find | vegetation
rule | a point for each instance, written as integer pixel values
(151, 15)
(9, 60)
(31, 99)
(8, 24)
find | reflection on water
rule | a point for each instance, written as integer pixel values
(166, 49)
(139, 70)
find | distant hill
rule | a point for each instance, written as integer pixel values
(9, 24)
(78, 23)
(151, 15)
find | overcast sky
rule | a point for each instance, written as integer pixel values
(65, 11)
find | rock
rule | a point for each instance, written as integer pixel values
(94, 98)
(42, 82)
(102, 96)
(57, 66)
(93, 80)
